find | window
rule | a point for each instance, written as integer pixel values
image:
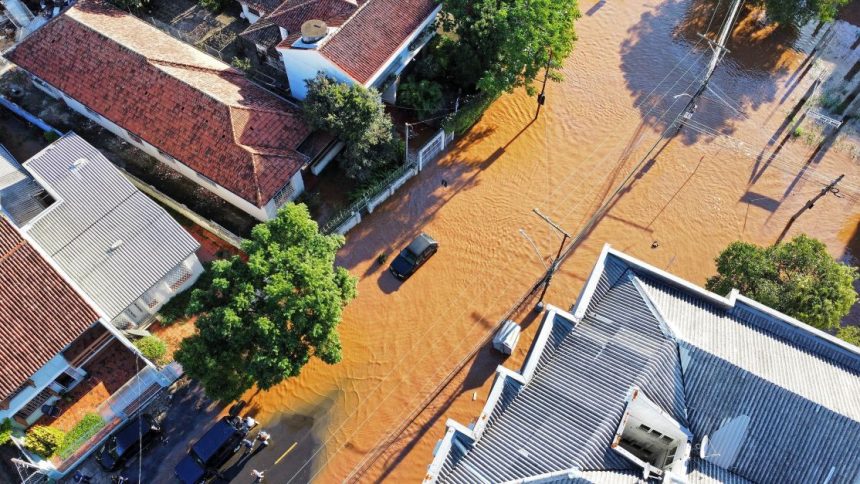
(253, 11)
(283, 195)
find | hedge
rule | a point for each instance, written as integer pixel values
(43, 440)
(83, 430)
(5, 431)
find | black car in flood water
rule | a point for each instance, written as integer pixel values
(413, 256)
(136, 434)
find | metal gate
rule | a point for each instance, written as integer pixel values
(432, 148)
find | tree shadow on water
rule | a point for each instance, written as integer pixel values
(663, 58)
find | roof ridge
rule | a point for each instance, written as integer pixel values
(358, 10)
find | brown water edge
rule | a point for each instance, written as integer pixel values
(400, 340)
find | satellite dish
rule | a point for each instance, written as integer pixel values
(313, 31)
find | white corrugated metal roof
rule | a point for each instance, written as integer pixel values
(97, 207)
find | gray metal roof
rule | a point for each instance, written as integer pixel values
(567, 415)
(766, 398)
(11, 171)
(111, 239)
(775, 407)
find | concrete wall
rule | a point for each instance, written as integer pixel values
(260, 213)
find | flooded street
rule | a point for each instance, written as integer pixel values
(692, 196)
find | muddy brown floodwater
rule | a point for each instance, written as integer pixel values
(693, 197)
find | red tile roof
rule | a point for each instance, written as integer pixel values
(291, 14)
(366, 39)
(376, 32)
(40, 313)
(264, 6)
(191, 106)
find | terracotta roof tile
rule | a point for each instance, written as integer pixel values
(191, 106)
(374, 33)
(40, 313)
(263, 6)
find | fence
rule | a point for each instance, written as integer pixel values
(349, 217)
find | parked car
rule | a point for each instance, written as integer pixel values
(209, 453)
(413, 256)
(136, 434)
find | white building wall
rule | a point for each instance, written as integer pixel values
(41, 379)
(303, 64)
(247, 14)
(177, 280)
(260, 213)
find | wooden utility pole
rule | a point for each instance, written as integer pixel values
(811, 202)
(541, 99)
(831, 188)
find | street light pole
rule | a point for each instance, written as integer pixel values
(542, 97)
(556, 262)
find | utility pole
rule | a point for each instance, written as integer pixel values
(718, 49)
(556, 262)
(406, 162)
(811, 202)
(541, 99)
(831, 188)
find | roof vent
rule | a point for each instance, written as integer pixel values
(116, 245)
(78, 164)
(313, 31)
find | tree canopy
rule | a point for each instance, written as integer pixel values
(261, 319)
(357, 117)
(512, 40)
(798, 12)
(798, 278)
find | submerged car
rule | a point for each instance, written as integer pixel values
(209, 453)
(413, 256)
(135, 435)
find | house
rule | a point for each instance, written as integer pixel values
(366, 42)
(60, 354)
(121, 248)
(195, 114)
(651, 378)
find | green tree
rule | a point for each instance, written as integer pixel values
(512, 40)
(798, 12)
(424, 96)
(357, 117)
(798, 278)
(850, 334)
(262, 318)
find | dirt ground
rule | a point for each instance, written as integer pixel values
(717, 181)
